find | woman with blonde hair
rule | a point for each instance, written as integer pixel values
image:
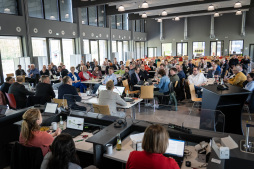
(155, 143)
(31, 135)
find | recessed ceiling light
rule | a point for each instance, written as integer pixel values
(239, 12)
(121, 8)
(159, 20)
(238, 5)
(164, 13)
(177, 18)
(210, 8)
(145, 5)
(216, 14)
(144, 15)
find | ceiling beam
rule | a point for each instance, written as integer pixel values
(87, 3)
(138, 17)
(111, 10)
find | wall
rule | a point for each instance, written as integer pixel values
(227, 27)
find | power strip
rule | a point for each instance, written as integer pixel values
(180, 128)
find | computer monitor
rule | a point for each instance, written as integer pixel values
(175, 148)
(118, 89)
(51, 108)
(75, 123)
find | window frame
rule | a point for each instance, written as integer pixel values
(171, 48)
(229, 46)
(193, 50)
(182, 47)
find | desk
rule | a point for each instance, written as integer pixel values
(90, 82)
(95, 100)
(84, 146)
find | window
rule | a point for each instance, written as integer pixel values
(120, 50)
(182, 49)
(101, 15)
(236, 46)
(84, 16)
(137, 25)
(8, 7)
(94, 49)
(114, 49)
(142, 25)
(35, 8)
(217, 48)
(151, 51)
(10, 48)
(138, 50)
(142, 49)
(113, 21)
(166, 49)
(125, 22)
(86, 46)
(103, 50)
(92, 13)
(198, 49)
(51, 9)
(125, 49)
(66, 10)
(119, 21)
(39, 47)
(68, 50)
(55, 51)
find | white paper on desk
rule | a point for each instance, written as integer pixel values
(229, 142)
(137, 137)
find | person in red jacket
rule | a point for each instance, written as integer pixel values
(85, 74)
(155, 143)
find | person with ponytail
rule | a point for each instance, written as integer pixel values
(31, 135)
(63, 154)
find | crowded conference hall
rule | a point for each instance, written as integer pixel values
(130, 84)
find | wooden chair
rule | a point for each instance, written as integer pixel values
(193, 95)
(147, 93)
(11, 100)
(101, 109)
(127, 88)
(158, 64)
(10, 74)
(61, 102)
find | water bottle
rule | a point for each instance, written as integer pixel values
(61, 125)
(118, 143)
(127, 94)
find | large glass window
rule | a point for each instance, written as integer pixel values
(113, 21)
(51, 9)
(236, 46)
(137, 25)
(84, 16)
(68, 50)
(120, 50)
(182, 49)
(103, 50)
(142, 25)
(166, 49)
(10, 48)
(152, 51)
(198, 49)
(55, 51)
(39, 46)
(119, 21)
(125, 22)
(101, 15)
(8, 6)
(217, 48)
(35, 8)
(142, 49)
(66, 10)
(125, 49)
(92, 13)
(94, 49)
(86, 46)
(114, 49)
(138, 50)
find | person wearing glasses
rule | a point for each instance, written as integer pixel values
(238, 78)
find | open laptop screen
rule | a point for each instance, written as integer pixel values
(175, 147)
(75, 123)
(51, 108)
(118, 89)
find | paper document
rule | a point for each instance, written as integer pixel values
(229, 142)
(137, 137)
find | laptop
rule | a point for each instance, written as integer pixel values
(3, 110)
(118, 89)
(74, 126)
(176, 150)
(50, 110)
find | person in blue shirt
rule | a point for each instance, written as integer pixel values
(181, 73)
(33, 72)
(76, 80)
(110, 76)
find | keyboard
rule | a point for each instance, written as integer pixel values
(179, 161)
(72, 132)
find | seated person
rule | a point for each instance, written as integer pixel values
(181, 73)
(224, 67)
(143, 73)
(110, 76)
(33, 74)
(20, 92)
(238, 77)
(85, 74)
(116, 66)
(62, 72)
(131, 69)
(110, 98)
(6, 85)
(69, 92)
(20, 71)
(76, 80)
(51, 72)
(120, 71)
(162, 66)
(250, 85)
(97, 73)
(213, 72)
(135, 77)
(44, 89)
(31, 135)
(198, 79)
(80, 65)
(202, 64)
(154, 144)
(126, 74)
(185, 68)
(173, 75)
(62, 155)
(44, 71)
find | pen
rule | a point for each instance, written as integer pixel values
(79, 140)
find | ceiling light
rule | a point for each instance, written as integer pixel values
(159, 20)
(145, 5)
(164, 13)
(121, 8)
(238, 5)
(144, 15)
(67, 15)
(177, 18)
(210, 8)
(216, 14)
(52, 17)
(239, 12)
(7, 10)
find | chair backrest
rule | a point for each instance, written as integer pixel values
(192, 92)
(61, 102)
(12, 101)
(10, 74)
(26, 157)
(147, 92)
(101, 109)
(126, 85)
(2, 99)
(158, 64)
(176, 83)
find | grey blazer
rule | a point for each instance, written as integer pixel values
(110, 98)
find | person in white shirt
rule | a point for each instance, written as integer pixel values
(198, 79)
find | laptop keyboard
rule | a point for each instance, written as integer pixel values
(72, 132)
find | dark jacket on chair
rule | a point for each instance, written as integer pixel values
(45, 90)
(134, 79)
(20, 92)
(5, 88)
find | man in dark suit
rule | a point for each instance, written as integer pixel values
(51, 71)
(20, 92)
(135, 78)
(20, 71)
(69, 92)
(44, 89)
(62, 72)
(6, 85)
(143, 73)
(44, 71)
